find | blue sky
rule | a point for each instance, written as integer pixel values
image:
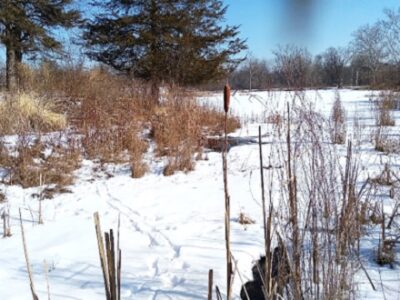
(325, 23)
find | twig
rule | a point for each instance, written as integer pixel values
(240, 277)
(366, 274)
(28, 265)
(218, 292)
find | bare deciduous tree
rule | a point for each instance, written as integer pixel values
(333, 61)
(293, 64)
(391, 30)
(369, 43)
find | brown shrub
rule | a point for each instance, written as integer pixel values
(384, 143)
(31, 167)
(136, 152)
(181, 161)
(275, 118)
(245, 220)
(386, 253)
(110, 118)
(180, 127)
(111, 113)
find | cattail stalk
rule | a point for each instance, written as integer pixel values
(227, 95)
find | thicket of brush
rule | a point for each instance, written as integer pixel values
(107, 117)
(317, 217)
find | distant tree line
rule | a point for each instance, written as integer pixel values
(372, 58)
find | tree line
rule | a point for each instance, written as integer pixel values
(184, 42)
(372, 58)
(160, 41)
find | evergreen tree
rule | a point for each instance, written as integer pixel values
(25, 28)
(171, 41)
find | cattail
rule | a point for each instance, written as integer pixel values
(227, 97)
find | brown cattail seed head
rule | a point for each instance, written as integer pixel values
(227, 97)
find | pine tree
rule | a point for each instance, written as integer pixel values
(25, 28)
(170, 41)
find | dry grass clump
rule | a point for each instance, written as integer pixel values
(30, 166)
(110, 118)
(28, 112)
(179, 127)
(386, 253)
(338, 121)
(384, 143)
(275, 118)
(137, 148)
(212, 121)
(384, 106)
(181, 161)
(385, 178)
(245, 219)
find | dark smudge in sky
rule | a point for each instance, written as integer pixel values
(297, 20)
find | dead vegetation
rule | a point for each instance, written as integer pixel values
(29, 112)
(113, 117)
(385, 142)
(384, 105)
(338, 121)
(35, 163)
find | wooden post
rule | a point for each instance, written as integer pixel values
(110, 259)
(103, 259)
(210, 284)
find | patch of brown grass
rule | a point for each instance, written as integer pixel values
(111, 113)
(29, 113)
(179, 127)
(245, 220)
(31, 167)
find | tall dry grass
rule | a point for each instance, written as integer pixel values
(29, 112)
(115, 116)
(338, 121)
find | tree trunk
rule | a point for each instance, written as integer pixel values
(11, 69)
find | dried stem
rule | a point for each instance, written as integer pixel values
(28, 265)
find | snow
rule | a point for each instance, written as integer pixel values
(172, 228)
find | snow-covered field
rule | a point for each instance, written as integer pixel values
(172, 228)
